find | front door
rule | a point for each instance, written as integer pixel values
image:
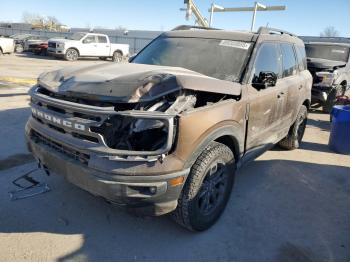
(267, 106)
(89, 46)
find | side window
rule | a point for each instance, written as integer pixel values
(102, 39)
(89, 39)
(288, 58)
(267, 60)
(302, 64)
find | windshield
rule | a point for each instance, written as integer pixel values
(329, 52)
(222, 59)
(76, 36)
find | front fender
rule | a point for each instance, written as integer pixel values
(230, 129)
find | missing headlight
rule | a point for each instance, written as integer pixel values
(134, 134)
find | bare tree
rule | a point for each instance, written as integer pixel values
(329, 31)
(32, 18)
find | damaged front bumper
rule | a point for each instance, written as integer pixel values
(143, 181)
(319, 93)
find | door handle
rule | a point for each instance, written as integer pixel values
(300, 87)
(280, 95)
(107, 45)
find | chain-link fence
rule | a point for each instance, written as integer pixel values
(136, 43)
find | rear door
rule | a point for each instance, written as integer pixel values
(293, 82)
(103, 46)
(265, 105)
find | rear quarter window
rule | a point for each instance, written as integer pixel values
(301, 55)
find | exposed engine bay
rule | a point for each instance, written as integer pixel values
(161, 94)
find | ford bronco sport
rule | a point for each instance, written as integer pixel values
(167, 131)
(329, 63)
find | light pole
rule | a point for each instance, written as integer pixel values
(212, 9)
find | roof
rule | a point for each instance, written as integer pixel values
(213, 34)
(270, 34)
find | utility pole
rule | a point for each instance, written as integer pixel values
(257, 7)
(214, 7)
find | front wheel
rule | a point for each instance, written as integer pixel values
(296, 131)
(117, 57)
(19, 48)
(71, 55)
(332, 98)
(207, 189)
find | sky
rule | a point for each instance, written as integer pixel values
(302, 17)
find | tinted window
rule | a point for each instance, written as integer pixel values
(288, 58)
(267, 60)
(102, 39)
(300, 50)
(222, 59)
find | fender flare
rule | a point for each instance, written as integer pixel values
(232, 130)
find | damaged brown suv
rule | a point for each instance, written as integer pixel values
(167, 131)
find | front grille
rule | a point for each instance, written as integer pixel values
(52, 45)
(69, 152)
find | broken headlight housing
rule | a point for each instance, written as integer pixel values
(142, 134)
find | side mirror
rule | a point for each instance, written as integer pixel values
(131, 57)
(264, 80)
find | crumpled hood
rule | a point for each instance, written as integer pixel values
(130, 82)
(324, 63)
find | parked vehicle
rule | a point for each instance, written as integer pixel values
(39, 48)
(7, 45)
(87, 44)
(36, 40)
(328, 62)
(21, 40)
(167, 131)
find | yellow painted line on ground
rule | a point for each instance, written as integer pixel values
(26, 81)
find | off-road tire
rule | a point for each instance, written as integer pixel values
(188, 213)
(296, 131)
(117, 57)
(71, 55)
(332, 98)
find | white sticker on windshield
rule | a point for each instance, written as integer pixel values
(235, 44)
(338, 51)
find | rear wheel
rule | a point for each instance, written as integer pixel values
(117, 57)
(71, 55)
(296, 131)
(207, 189)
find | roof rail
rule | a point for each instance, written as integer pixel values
(269, 30)
(189, 27)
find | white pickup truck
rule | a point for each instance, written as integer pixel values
(7, 45)
(89, 45)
